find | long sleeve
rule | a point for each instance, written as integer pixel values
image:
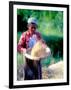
(21, 43)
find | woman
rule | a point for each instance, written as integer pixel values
(31, 70)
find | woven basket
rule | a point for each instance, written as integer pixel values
(46, 54)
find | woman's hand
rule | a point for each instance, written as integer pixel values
(23, 50)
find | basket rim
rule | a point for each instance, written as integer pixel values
(37, 58)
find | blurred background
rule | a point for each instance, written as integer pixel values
(50, 25)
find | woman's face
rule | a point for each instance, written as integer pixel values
(32, 28)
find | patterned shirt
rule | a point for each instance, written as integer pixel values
(24, 39)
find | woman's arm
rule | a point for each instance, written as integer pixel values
(21, 43)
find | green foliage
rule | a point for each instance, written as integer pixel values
(47, 19)
(55, 43)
